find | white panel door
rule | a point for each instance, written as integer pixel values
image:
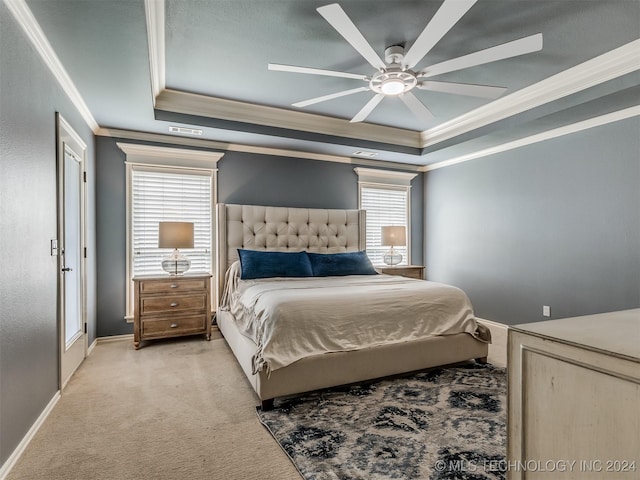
(71, 252)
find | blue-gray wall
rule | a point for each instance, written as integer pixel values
(111, 238)
(555, 223)
(29, 99)
(243, 178)
(293, 182)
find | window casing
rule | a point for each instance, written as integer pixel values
(386, 197)
(168, 184)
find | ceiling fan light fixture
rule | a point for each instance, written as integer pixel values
(392, 86)
(393, 81)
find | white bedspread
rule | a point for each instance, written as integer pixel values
(292, 318)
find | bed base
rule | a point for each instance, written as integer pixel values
(341, 368)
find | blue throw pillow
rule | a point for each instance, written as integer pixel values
(338, 264)
(261, 264)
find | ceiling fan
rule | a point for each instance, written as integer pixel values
(395, 76)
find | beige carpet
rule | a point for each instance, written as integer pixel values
(175, 409)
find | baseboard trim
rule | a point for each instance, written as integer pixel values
(92, 346)
(22, 446)
(113, 338)
(498, 346)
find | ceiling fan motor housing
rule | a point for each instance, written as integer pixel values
(394, 54)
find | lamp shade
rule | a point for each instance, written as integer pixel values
(394, 235)
(175, 235)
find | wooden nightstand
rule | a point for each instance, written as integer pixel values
(411, 271)
(171, 306)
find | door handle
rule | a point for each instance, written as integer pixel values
(67, 269)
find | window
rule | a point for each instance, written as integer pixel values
(168, 184)
(385, 195)
(162, 194)
(384, 206)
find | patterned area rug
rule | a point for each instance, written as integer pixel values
(448, 423)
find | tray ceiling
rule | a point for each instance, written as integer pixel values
(215, 55)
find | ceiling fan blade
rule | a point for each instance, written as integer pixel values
(532, 43)
(416, 106)
(446, 17)
(482, 91)
(331, 96)
(367, 109)
(342, 23)
(315, 71)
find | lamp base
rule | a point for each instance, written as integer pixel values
(176, 263)
(392, 257)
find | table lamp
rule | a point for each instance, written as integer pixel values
(395, 236)
(175, 235)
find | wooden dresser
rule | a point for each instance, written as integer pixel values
(574, 395)
(171, 306)
(411, 271)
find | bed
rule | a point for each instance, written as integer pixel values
(314, 356)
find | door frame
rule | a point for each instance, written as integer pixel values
(65, 134)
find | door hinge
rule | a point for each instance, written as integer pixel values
(85, 252)
(84, 177)
(85, 328)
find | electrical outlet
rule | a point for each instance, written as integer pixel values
(546, 311)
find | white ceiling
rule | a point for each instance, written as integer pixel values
(217, 51)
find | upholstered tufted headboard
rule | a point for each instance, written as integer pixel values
(286, 229)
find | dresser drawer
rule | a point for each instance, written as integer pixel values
(172, 286)
(179, 325)
(170, 303)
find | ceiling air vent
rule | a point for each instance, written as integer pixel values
(362, 153)
(185, 130)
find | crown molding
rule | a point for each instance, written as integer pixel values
(213, 144)
(540, 137)
(236, 111)
(29, 24)
(607, 66)
(237, 147)
(155, 17)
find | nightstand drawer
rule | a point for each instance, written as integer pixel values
(180, 325)
(172, 286)
(409, 271)
(165, 304)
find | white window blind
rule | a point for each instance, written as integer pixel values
(178, 195)
(384, 206)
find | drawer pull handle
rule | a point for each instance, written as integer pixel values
(173, 285)
(173, 304)
(174, 325)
